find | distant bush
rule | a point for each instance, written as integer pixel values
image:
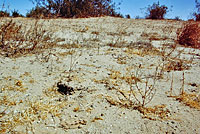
(128, 16)
(138, 17)
(177, 18)
(189, 35)
(38, 12)
(156, 11)
(4, 14)
(197, 14)
(75, 8)
(15, 13)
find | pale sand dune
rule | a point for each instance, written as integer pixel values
(30, 102)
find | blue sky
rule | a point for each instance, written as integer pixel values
(181, 8)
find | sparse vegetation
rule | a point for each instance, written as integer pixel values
(16, 41)
(142, 91)
(189, 99)
(131, 69)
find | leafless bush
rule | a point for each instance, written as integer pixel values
(189, 35)
(142, 87)
(17, 40)
(11, 38)
(143, 93)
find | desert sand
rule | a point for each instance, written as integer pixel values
(101, 63)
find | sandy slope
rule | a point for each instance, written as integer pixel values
(100, 76)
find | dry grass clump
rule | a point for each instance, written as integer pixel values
(36, 111)
(7, 101)
(30, 111)
(17, 112)
(175, 65)
(191, 100)
(76, 124)
(158, 112)
(189, 35)
(14, 85)
(142, 51)
(153, 36)
(143, 91)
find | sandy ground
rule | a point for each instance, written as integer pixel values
(98, 61)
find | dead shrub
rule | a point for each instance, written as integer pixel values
(189, 35)
(175, 65)
(16, 40)
(157, 112)
(10, 37)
